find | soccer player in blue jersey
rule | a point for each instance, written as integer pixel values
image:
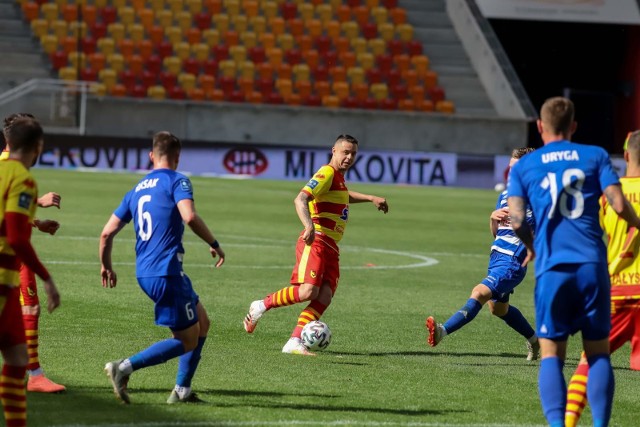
(159, 205)
(505, 272)
(563, 182)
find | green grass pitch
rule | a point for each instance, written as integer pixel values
(422, 258)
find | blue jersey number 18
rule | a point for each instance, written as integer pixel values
(572, 182)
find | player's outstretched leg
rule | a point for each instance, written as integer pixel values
(435, 330)
(466, 314)
(577, 394)
(282, 298)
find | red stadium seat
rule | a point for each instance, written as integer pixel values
(236, 96)
(350, 102)
(395, 47)
(370, 104)
(210, 67)
(59, 59)
(388, 104)
(148, 79)
(109, 15)
(399, 91)
(89, 45)
(374, 75)
(390, 4)
(393, 78)
(293, 56)
(330, 58)
(99, 30)
(436, 94)
(203, 20)
(321, 73)
(168, 80)
(289, 10)
(323, 44)
(275, 98)
(154, 64)
(265, 87)
(89, 74)
(138, 91)
(257, 54)
(164, 49)
(227, 84)
(370, 30)
(385, 64)
(128, 78)
(191, 66)
(177, 92)
(221, 52)
(414, 47)
(313, 101)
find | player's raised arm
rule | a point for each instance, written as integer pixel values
(199, 227)
(111, 228)
(379, 202)
(302, 209)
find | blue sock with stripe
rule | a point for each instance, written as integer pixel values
(188, 363)
(553, 390)
(600, 388)
(517, 322)
(157, 353)
(463, 316)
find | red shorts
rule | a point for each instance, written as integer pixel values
(316, 264)
(11, 325)
(625, 326)
(28, 287)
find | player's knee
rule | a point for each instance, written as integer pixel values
(31, 310)
(481, 293)
(308, 292)
(205, 323)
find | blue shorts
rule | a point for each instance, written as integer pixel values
(175, 300)
(503, 275)
(571, 298)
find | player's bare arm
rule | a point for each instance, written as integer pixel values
(496, 218)
(111, 228)
(50, 199)
(302, 209)
(46, 225)
(518, 215)
(199, 227)
(619, 203)
(379, 202)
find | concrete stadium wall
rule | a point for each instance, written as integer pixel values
(303, 126)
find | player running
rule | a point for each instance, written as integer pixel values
(323, 208)
(159, 205)
(505, 272)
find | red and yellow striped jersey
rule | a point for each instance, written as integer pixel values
(19, 195)
(329, 206)
(623, 245)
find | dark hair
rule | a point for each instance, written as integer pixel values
(22, 132)
(347, 138)
(557, 115)
(518, 153)
(166, 144)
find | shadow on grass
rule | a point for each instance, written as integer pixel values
(430, 353)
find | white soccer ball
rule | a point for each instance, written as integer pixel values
(316, 335)
(499, 187)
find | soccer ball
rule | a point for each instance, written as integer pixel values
(316, 335)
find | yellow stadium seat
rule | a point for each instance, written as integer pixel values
(156, 92)
(377, 46)
(250, 8)
(59, 27)
(335, 4)
(356, 75)
(118, 3)
(127, 15)
(116, 61)
(164, 18)
(40, 27)
(195, 6)
(77, 59)
(221, 22)
(302, 72)
(249, 39)
(107, 46)
(333, 30)
(285, 41)
(324, 12)
(258, 24)
(172, 64)
(420, 64)
(277, 25)
(274, 55)
(366, 60)
(359, 45)
(187, 81)
(173, 34)
(386, 31)
(305, 10)
(233, 7)
(350, 29)
(157, 5)
(116, 31)
(284, 87)
(49, 11)
(200, 51)
(247, 70)
(211, 37)
(182, 50)
(100, 3)
(238, 53)
(49, 43)
(80, 29)
(68, 73)
(146, 18)
(379, 91)
(380, 15)
(136, 32)
(445, 106)
(184, 20)
(227, 68)
(176, 6)
(109, 77)
(240, 23)
(405, 31)
(270, 9)
(98, 89)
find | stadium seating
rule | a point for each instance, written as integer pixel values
(331, 53)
